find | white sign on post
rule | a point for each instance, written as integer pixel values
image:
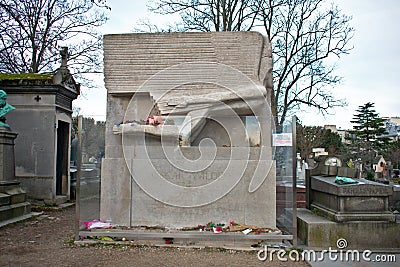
(282, 139)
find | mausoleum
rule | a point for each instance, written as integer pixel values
(43, 122)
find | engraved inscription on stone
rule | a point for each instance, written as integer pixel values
(191, 179)
(362, 190)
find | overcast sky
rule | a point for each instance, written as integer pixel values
(371, 71)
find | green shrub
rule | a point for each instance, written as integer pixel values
(370, 176)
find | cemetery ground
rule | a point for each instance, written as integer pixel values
(47, 240)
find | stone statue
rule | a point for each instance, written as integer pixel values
(4, 108)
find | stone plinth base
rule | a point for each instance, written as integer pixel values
(7, 161)
(125, 202)
(318, 232)
(13, 202)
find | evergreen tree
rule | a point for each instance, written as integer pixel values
(367, 137)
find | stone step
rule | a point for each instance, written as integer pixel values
(57, 201)
(319, 233)
(8, 212)
(61, 199)
(4, 199)
(14, 191)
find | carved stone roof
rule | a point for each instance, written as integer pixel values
(59, 83)
(40, 81)
(61, 77)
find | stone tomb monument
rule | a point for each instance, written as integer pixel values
(357, 212)
(188, 134)
(43, 120)
(12, 198)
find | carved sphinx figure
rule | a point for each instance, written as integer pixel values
(4, 108)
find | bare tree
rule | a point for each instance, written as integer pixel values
(33, 31)
(210, 15)
(305, 35)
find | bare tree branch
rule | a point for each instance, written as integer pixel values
(209, 15)
(305, 36)
(33, 31)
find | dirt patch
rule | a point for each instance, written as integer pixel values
(47, 240)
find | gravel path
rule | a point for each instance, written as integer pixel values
(47, 240)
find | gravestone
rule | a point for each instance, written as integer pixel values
(364, 201)
(188, 134)
(361, 201)
(357, 212)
